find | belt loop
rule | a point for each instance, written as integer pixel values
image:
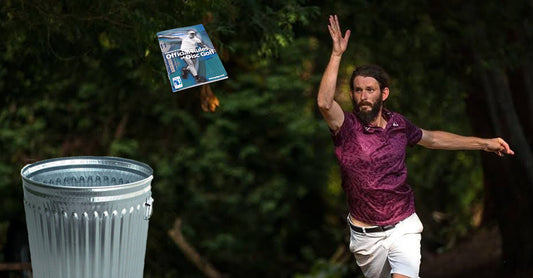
(364, 230)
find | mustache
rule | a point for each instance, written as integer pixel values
(363, 103)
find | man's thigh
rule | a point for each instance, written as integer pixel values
(404, 247)
(404, 255)
(370, 255)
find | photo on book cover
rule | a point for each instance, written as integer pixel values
(190, 58)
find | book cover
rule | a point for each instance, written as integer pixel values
(190, 58)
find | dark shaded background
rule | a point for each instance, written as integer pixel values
(254, 185)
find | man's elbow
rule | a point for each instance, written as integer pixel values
(324, 105)
(428, 140)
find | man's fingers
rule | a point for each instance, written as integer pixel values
(334, 23)
(331, 23)
(339, 42)
(504, 147)
(347, 35)
(335, 28)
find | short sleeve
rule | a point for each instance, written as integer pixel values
(345, 129)
(413, 132)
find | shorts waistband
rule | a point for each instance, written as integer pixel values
(372, 229)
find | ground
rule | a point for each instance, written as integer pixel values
(479, 255)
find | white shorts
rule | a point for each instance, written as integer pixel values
(397, 250)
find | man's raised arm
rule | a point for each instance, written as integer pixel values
(329, 108)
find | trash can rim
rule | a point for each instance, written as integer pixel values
(65, 162)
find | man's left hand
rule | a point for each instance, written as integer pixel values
(498, 146)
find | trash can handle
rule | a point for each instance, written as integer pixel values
(148, 204)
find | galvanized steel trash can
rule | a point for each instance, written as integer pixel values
(87, 216)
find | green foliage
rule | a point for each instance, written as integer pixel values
(251, 173)
(255, 183)
(87, 79)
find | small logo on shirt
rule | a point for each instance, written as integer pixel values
(395, 124)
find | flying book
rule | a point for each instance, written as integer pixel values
(190, 58)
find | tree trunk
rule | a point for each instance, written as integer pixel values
(508, 180)
(190, 252)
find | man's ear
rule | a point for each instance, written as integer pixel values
(385, 93)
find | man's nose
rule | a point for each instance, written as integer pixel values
(364, 95)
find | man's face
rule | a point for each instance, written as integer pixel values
(191, 35)
(367, 98)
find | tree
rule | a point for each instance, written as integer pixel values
(255, 184)
(498, 76)
(87, 79)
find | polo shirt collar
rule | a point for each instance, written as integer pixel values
(370, 128)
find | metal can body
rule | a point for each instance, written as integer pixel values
(87, 216)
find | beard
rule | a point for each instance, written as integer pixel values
(367, 116)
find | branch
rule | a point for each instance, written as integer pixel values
(121, 126)
(14, 266)
(341, 255)
(204, 266)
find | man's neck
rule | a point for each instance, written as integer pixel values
(380, 121)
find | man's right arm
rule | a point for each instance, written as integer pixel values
(329, 108)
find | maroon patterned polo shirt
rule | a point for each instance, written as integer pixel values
(374, 174)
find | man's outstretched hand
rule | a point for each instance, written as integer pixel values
(339, 42)
(499, 147)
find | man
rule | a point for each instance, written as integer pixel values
(188, 45)
(370, 145)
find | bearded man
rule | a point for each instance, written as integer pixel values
(370, 145)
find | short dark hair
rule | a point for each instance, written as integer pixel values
(374, 71)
